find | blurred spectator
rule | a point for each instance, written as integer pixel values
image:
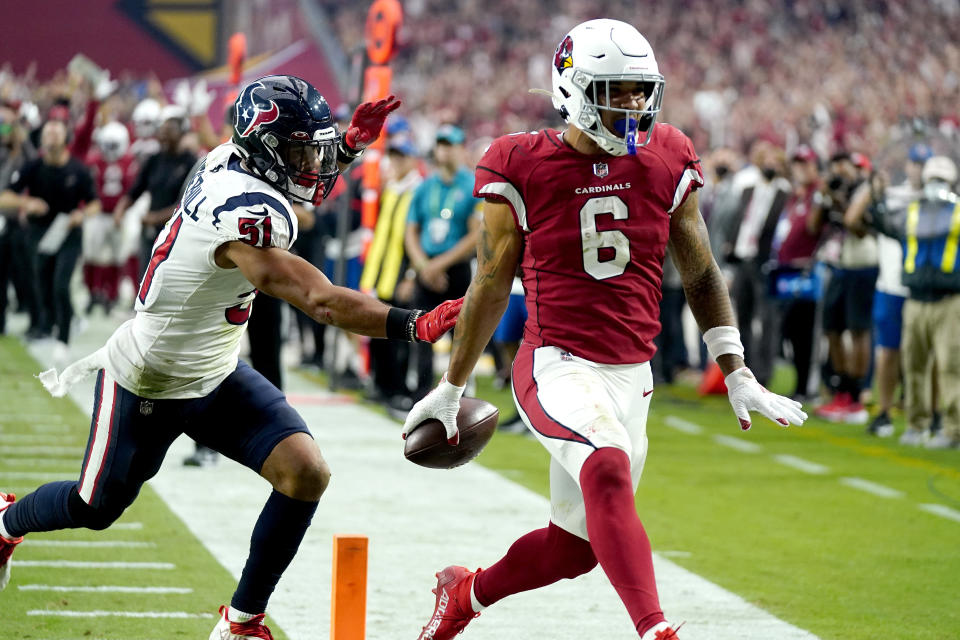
(928, 227)
(387, 271)
(441, 236)
(162, 176)
(721, 201)
(765, 191)
(114, 169)
(146, 123)
(671, 356)
(15, 151)
(61, 194)
(794, 282)
(890, 295)
(848, 300)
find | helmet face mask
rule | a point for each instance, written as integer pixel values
(592, 66)
(288, 136)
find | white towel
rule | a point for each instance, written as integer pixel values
(58, 384)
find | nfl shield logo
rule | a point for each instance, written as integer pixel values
(600, 170)
(146, 408)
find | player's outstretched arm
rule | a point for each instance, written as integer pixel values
(283, 275)
(709, 301)
(498, 252)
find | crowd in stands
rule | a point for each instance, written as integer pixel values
(798, 109)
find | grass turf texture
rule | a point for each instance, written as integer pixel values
(168, 539)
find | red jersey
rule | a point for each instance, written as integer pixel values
(113, 179)
(798, 244)
(595, 230)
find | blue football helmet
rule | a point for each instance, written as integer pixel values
(288, 135)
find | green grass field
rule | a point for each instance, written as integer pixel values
(822, 526)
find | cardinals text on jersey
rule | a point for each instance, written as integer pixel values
(191, 313)
(594, 236)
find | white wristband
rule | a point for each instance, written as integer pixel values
(723, 340)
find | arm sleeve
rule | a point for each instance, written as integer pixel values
(83, 134)
(494, 179)
(256, 218)
(690, 174)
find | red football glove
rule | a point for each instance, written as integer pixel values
(433, 324)
(367, 121)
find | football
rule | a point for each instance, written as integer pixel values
(427, 444)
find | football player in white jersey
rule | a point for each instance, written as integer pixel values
(174, 368)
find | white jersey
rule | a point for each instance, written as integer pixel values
(191, 314)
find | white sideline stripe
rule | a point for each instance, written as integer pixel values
(77, 564)
(736, 443)
(674, 554)
(126, 526)
(39, 451)
(30, 475)
(103, 589)
(682, 425)
(91, 544)
(871, 487)
(801, 465)
(117, 614)
(942, 511)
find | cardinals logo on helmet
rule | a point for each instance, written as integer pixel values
(563, 58)
(254, 110)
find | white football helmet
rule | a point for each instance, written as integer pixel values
(113, 140)
(592, 56)
(146, 118)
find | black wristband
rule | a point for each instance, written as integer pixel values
(346, 155)
(402, 324)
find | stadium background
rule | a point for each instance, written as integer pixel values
(834, 532)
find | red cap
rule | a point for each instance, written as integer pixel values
(804, 154)
(861, 161)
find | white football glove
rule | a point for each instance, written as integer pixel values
(104, 87)
(746, 395)
(443, 404)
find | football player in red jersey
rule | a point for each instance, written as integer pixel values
(588, 213)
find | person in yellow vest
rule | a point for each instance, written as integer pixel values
(929, 228)
(386, 272)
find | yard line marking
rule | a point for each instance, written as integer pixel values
(103, 589)
(30, 417)
(39, 451)
(682, 425)
(76, 564)
(126, 526)
(31, 475)
(736, 443)
(31, 438)
(871, 487)
(801, 465)
(42, 462)
(942, 511)
(117, 614)
(53, 428)
(91, 544)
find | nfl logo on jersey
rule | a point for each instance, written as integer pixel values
(601, 170)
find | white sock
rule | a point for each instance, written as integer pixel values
(235, 615)
(477, 607)
(652, 631)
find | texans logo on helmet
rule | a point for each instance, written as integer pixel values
(563, 58)
(254, 110)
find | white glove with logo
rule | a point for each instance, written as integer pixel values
(443, 404)
(746, 395)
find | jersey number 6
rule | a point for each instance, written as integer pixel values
(605, 253)
(250, 229)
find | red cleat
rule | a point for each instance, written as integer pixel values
(7, 545)
(249, 630)
(662, 631)
(453, 611)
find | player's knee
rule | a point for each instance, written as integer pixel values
(94, 518)
(605, 474)
(305, 478)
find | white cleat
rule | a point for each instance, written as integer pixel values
(252, 629)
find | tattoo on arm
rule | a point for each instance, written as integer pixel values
(703, 281)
